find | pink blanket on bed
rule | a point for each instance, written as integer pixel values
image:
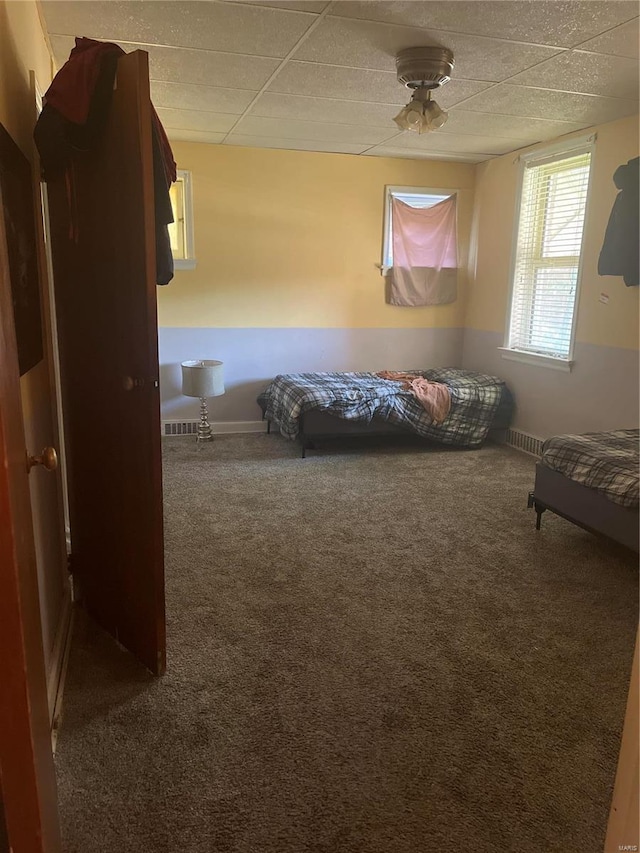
(434, 396)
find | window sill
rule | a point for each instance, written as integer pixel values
(549, 361)
(184, 263)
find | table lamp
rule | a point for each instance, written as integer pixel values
(203, 378)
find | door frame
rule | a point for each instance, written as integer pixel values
(60, 651)
(29, 792)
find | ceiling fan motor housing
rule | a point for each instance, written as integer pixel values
(424, 67)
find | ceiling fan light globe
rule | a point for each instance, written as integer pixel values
(414, 118)
(401, 118)
(433, 109)
(440, 119)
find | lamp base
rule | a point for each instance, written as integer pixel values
(204, 427)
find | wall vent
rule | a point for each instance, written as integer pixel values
(524, 442)
(180, 427)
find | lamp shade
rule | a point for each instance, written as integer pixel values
(202, 378)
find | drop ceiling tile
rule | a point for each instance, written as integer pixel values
(231, 27)
(458, 144)
(183, 96)
(273, 105)
(381, 115)
(543, 103)
(415, 154)
(294, 144)
(588, 73)
(181, 135)
(311, 130)
(207, 68)
(331, 81)
(516, 127)
(621, 41)
(180, 65)
(456, 91)
(194, 120)
(315, 6)
(363, 44)
(62, 47)
(563, 24)
(356, 84)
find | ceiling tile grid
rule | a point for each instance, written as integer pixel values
(367, 44)
(521, 101)
(619, 41)
(316, 75)
(228, 27)
(295, 144)
(543, 22)
(186, 96)
(415, 154)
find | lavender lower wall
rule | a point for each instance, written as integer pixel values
(252, 357)
(600, 392)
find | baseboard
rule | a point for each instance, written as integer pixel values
(175, 427)
(524, 442)
(59, 658)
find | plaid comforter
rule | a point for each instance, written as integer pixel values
(604, 461)
(359, 396)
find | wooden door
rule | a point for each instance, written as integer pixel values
(103, 250)
(28, 786)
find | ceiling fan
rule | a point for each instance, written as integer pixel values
(423, 69)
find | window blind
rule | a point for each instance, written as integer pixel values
(549, 244)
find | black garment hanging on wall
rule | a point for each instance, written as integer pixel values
(620, 254)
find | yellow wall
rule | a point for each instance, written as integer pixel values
(613, 324)
(23, 49)
(291, 239)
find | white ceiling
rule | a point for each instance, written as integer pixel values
(320, 76)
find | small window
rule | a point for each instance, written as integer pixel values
(181, 229)
(414, 197)
(546, 268)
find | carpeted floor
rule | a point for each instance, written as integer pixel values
(370, 651)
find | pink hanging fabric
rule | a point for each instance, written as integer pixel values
(425, 257)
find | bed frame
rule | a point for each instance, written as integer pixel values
(317, 425)
(583, 506)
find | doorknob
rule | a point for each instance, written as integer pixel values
(48, 459)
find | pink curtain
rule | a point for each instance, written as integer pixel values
(425, 262)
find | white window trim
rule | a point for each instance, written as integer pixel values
(550, 152)
(188, 263)
(538, 359)
(389, 190)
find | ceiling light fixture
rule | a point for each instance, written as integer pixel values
(423, 69)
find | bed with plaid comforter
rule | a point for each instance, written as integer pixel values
(475, 399)
(604, 461)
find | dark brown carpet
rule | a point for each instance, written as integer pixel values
(370, 651)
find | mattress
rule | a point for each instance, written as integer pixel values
(606, 462)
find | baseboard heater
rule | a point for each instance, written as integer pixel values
(180, 427)
(524, 442)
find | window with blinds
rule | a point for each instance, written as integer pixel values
(547, 258)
